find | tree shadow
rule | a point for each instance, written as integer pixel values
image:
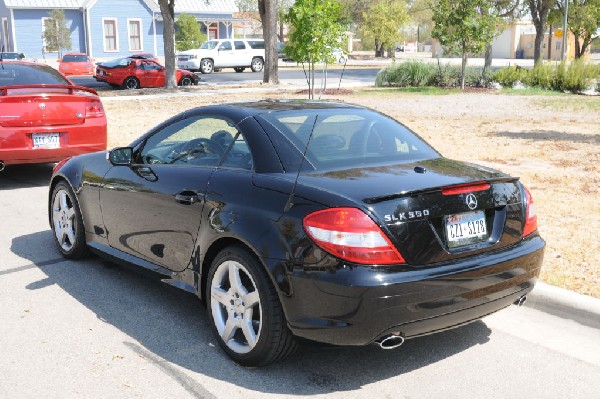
(23, 176)
(550, 135)
(170, 327)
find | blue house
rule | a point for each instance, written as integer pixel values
(106, 28)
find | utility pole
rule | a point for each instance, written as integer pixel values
(563, 56)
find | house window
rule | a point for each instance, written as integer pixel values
(110, 34)
(134, 27)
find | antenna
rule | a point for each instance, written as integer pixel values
(289, 204)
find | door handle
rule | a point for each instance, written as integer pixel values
(187, 197)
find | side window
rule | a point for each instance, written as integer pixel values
(238, 156)
(225, 46)
(239, 45)
(195, 141)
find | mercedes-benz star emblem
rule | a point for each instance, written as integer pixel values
(471, 201)
(42, 106)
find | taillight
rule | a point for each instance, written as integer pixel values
(530, 215)
(349, 234)
(465, 188)
(94, 110)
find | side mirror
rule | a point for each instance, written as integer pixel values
(120, 156)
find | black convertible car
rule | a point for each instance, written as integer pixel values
(325, 221)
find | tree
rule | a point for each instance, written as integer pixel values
(269, 12)
(382, 23)
(461, 26)
(583, 22)
(539, 10)
(187, 34)
(56, 35)
(315, 30)
(505, 10)
(167, 9)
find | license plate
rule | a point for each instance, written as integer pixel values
(465, 228)
(46, 140)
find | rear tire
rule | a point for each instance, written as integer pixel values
(66, 222)
(244, 310)
(131, 83)
(257, 64)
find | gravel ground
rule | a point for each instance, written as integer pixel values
(551, 141)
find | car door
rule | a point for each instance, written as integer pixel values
(226, 57)
(154, 76)
(241, 53)
(152, 209)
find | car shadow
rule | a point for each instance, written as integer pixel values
(23, 176)
(170, 328)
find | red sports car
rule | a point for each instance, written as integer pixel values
(76, 64)
(135, 73)
(44, 117)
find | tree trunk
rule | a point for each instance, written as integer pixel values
(378, 49)
(539, 10)
(462, 71)
(167, 9)
(488, 57)
(578, 53)
(269, 14)
(537, 44)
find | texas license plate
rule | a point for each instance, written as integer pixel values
(46, 140)
(466, 228)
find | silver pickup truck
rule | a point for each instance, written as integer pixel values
(214, 55)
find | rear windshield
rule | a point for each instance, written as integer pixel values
(19, 74)
(10, 56)
(118, 63)
(75, 58)
(341, 139)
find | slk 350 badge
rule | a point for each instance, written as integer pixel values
(406, 215)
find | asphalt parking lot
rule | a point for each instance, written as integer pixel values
(94, 329)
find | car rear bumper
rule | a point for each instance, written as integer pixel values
(357, 305)
(16, 144)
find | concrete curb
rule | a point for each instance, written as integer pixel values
(566, 304)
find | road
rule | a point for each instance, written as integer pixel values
(93, 329)
(356, 76)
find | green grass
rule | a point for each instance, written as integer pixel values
(427, 90)
(531, 91)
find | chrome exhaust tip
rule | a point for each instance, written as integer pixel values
(521, 301)
(390, 342)
(1, 166)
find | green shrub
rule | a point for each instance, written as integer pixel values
(578, 77)
(406, 74)
(508, 77)
(541, 76)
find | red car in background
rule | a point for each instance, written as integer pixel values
(76, 64)
(44, 117)
(134, 73)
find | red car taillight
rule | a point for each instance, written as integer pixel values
(530, 214)
(94, 109)
(351, 235)
(465, 188)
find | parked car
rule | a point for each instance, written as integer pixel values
(324, 221)
(76, 64)
(339, 55)
(214, 55)
(134, 73)
(44, 117)
(10, 55)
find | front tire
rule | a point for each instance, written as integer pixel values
(244, 310)
(206, 66)
(66, 222)
(185, 81)
(257, 64)
(131, 83)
